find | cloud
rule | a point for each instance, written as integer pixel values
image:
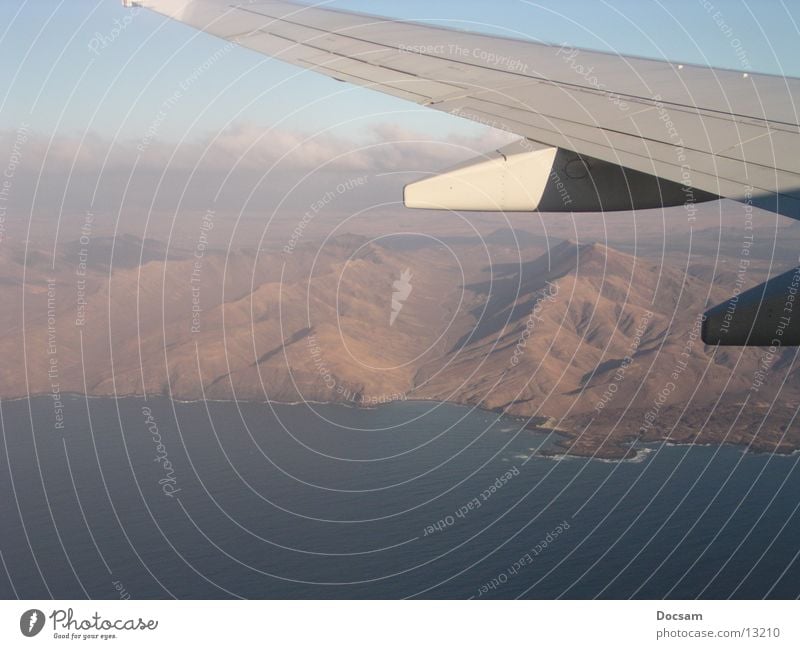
(247, 146)
(243, 159)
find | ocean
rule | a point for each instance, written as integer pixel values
(127, 498)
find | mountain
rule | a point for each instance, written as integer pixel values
(600, 344)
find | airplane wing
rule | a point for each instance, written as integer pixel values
(721, 132)
(600, 131)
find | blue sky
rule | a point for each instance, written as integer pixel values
(53, 81)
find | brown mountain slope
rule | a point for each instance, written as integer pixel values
(595, 339)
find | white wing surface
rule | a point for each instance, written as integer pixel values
(720, 131)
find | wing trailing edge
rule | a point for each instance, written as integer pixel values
(528, 176)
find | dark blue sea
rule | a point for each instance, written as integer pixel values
(157, 499)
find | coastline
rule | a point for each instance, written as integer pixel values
(603, 446)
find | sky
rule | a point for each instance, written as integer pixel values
(57, 79)
(85, 83)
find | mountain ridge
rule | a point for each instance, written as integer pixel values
(584, 335)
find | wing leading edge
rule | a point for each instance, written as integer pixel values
(722, 132)
(661, 130)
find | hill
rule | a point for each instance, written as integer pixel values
(601, 344)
